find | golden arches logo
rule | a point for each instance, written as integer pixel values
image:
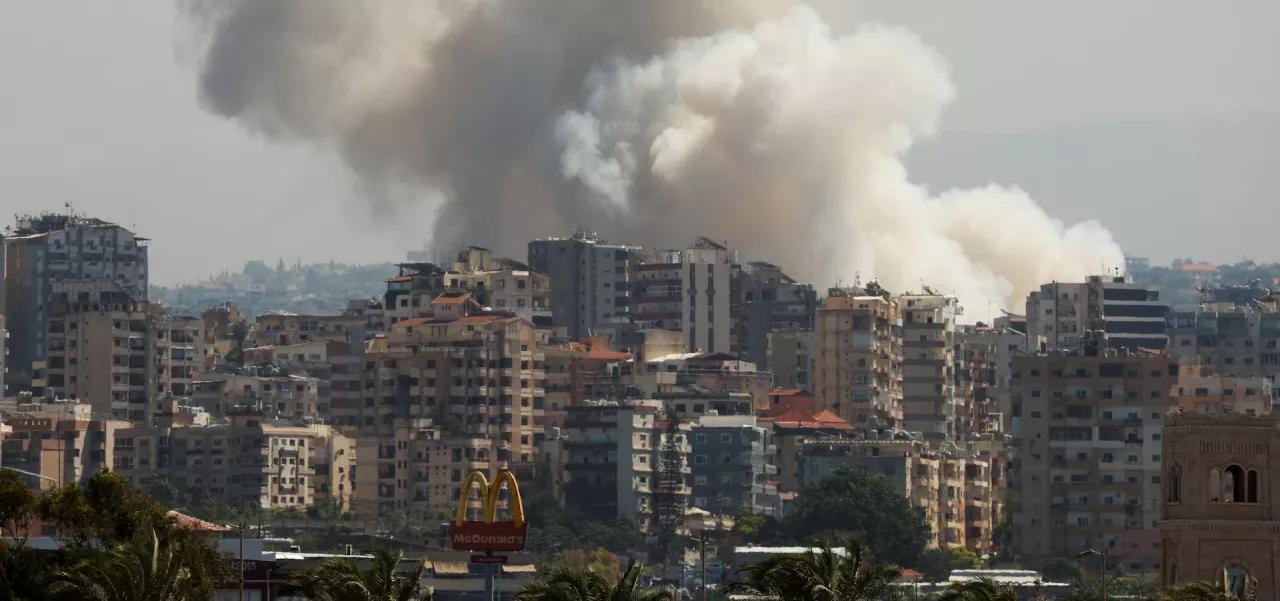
(489, 497)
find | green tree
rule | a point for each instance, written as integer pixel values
(599, 561)
(1059, 569)
(568, 584)
(822, 575)
(341, 579)
(982, 589)
(107, 509)
(147, 570)
(1203, 591)
(937, 564)
(668, 503)
(853, 504)
(24, 572)
(17, 505)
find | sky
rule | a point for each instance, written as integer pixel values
(1157, 118)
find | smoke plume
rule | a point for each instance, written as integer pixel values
(751, 121)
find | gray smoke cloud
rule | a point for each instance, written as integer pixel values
(749, 121)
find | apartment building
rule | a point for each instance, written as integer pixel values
(4, 342)
(1218, 518)
(707, 306)
(952, 488)
(1231, 339)
(590, 281)
(410, 292)
(292, 397)
(1131, 315)
(179, 352)
(612, 459)
(858, 358)
(790, 358)
(657, 292)
(716, 372)
(250, 459)
(732, 466)
(44, 250)
(984, 367)
(479, 375)
(286, 329)
(688, 403)
(1201, 389)
(415, 468)
(929, 402)
(63, 441)
(336, 364)
(1086, 468)
(769, 301)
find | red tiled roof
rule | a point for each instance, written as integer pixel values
(1197, 267)
(451, 298)
(412, 321)
(795, 419)
(187, 522)
(478, 319)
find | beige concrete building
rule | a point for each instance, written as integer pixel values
(1220, 481)
(338, 366)
(791, 358)
(416, 469)
(952, 489)
(283, 397)
(1200, 390)
(1131, 315)
(247, 460)
(62, 441)
(929, 402)
(1086, 468)
(480, 375)
(858, 358)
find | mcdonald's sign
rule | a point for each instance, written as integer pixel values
(490, 534)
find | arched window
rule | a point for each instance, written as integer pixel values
(1236, 578)
(1252, 495)
(1233, 485)
(1215, 485)
(1173, 484)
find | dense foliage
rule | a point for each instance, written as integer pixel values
(824, 575)
(341, 579)
(850, 504)
(118, 545)
(563, 583)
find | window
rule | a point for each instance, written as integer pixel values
(699, 459)
(1173, 484)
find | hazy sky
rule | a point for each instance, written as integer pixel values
(1155, 117)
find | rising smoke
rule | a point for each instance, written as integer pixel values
(750, 121)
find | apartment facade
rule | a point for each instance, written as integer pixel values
(732, 466)
(415, 469)
(612, 459)
(706, 317)
(929, 402)
(769, 302)
(479, 375)
(1060, 314)
(590, 281)
(1086, 467)
(44, 250)
(858, 371)
(1231, 339)
(62, 441)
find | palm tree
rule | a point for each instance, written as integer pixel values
(822, 575)
(568, 584)
(340, 579)
(982, 589)
(147, 570)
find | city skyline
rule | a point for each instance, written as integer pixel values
(146, 155)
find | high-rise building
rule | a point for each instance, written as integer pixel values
(1232, 339)
(858, 358)
(769, 301)
(928, 363)
(790, 358)
(43, 251)
(590, 281)
(706, 310)
(1131, 316)
(1086, 468)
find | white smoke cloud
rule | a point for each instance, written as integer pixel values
(750, 121)
(790, 134)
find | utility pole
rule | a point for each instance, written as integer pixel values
(242, 528)
(702, 559)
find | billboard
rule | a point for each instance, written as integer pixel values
(489, 534)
